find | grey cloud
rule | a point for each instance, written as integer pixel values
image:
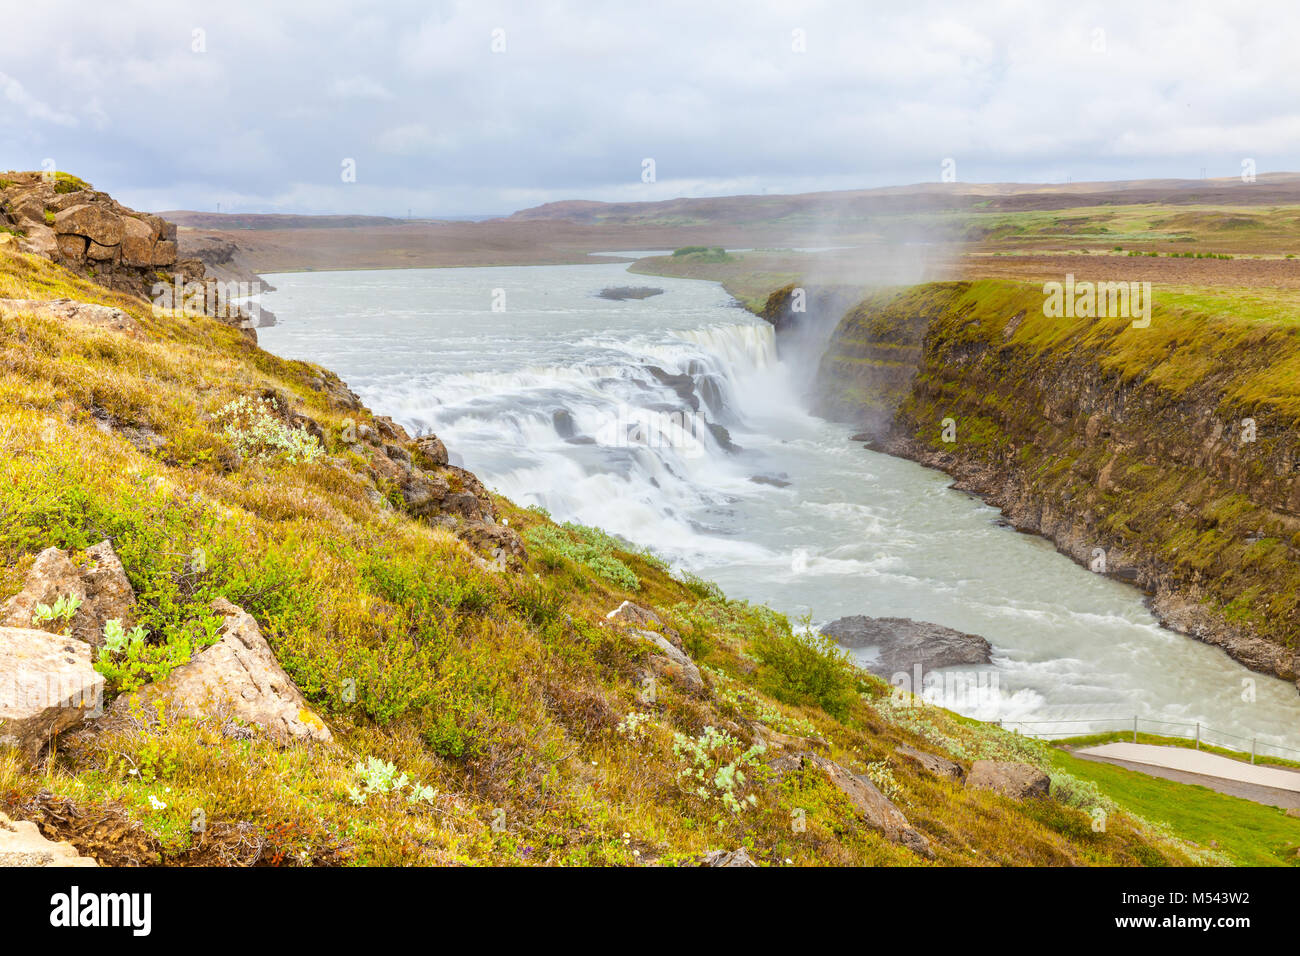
(582, 92)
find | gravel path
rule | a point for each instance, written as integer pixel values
(1269, 785)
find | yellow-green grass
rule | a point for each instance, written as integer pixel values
(506, 693)
(1002, 369)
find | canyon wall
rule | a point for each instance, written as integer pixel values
(1163, 455)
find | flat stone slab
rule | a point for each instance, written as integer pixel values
(1198, 761)
(47, 685)
(21, 844)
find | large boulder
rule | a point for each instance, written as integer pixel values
(939, 766)
(872, 805)
(101, 586)
(138, 239)
(1020, 781)
(39, 240)
(432, 446)
(904, 643)
(95, 222)
(164, 253)
(21, 844)
(47, 686)
(238, 677)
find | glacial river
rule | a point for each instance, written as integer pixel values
(549, 393)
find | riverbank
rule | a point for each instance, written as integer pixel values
(467, 681)
(1160, 455)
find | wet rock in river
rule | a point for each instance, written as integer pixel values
(904, 643)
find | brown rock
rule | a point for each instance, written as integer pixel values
(164, 254)
(874, 807)
(72, 247)
(238, 677)
(433, 447)
(138, 239)
(939, 766)
(672, 662)
(1019, 781)
(635, 615)
(101, 253)
(102, 587)
(28, 210)
(39, 241)
(47, 686)
(92, 221)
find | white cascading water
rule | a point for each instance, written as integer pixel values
(601, 411)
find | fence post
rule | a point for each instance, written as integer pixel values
(1252, 749)
(1198, 735)
(1135, 728)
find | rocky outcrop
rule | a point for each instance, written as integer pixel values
(21, 844)
(672, 661)
(79, 313)
(221, 258)
(66, 220)
(1020, 781)
(1164, 456)
(904, 643)
(88, 232)
(101, 586)
(47, 686)
(439, 493)
(238, 679)
(636, 616)
(939, 766)
(872, 805)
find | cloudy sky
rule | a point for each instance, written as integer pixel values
(462, 108)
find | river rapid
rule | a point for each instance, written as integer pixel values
(583, 405)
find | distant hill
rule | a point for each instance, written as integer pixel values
(847, 205)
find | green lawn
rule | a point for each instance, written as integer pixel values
(1249, 833)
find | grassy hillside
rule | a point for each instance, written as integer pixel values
(504, 696)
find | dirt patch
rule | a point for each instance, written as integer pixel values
(107, 832)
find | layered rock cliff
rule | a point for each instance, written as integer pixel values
(91, 234)
(1165, 455)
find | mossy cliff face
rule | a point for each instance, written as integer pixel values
(1164, 455)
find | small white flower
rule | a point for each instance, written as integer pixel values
(156, 803)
